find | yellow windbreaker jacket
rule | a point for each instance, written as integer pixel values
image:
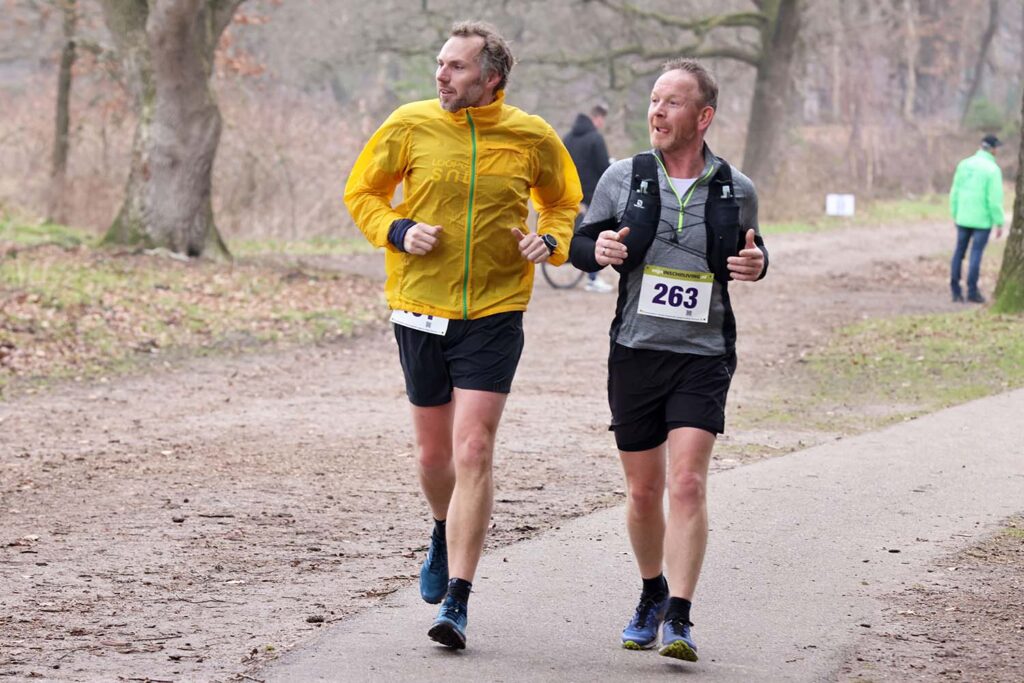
(471, 172)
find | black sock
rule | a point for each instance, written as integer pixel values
(656, 588)
(439, 528)
(678, 608)
(459, 589)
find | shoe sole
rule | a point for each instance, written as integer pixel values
(679, 650)
(635, 646)
(446, 634)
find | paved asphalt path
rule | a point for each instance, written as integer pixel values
(803, 550)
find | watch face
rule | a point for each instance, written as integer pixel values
(550, 241)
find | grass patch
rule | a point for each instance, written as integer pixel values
(928, 207)
(314, 246)
(882, 371)
(934, 361)
(931, 207)
(69, 311)
(22, 234)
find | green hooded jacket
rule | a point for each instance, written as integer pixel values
(976, 198)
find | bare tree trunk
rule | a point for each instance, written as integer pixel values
(167, 47)
(1009, 295)
(768, 110)
(58, 173)
(912, 45)
(979, 63)
(838, 44)
(856, 95)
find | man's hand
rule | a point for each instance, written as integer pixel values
(421, 238)
(999, 231)
(609, 249)
(749, 263)
(531, 246)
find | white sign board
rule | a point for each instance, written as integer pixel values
(839, 204)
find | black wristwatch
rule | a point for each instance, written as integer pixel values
(550, 242)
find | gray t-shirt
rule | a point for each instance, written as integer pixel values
(684, 249)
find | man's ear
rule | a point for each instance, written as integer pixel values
(492, 82)
(705, 117)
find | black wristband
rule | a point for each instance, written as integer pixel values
(396, 233)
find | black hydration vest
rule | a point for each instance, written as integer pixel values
(725, 238)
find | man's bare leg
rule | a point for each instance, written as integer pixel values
(645, 515)
(686, 535)
(645, 522)
(477, 414)
(475, 426)
(433, 427)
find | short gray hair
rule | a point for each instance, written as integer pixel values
(706, 83)
(495, 56)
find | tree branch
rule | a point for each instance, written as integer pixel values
(699, 26)
(695, 49)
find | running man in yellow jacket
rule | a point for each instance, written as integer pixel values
(460, 265)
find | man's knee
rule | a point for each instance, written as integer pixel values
(434, 457)
(474, 452)
(687, 489)
(644, 497)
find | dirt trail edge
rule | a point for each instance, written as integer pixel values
(197, 521)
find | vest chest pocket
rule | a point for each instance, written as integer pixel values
(723, 227)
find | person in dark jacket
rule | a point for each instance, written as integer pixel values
(590, 154)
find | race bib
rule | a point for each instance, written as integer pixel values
(421, 322)
(676, 294)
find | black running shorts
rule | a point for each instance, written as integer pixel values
(653, 392)
(479, 354)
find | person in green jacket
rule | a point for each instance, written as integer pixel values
(976, 200)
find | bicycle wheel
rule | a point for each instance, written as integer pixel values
(561, 277)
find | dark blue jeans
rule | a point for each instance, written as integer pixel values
(978, 238)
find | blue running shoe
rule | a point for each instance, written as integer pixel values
(642, 631)
(677, 642)
(449, 628)
(434, 572)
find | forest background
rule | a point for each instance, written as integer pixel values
(878, 98)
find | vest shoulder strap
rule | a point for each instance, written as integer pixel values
(643, 209)
(645, 168)
(721, 221)
(722, 179)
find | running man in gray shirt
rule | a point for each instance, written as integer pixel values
(673, 338)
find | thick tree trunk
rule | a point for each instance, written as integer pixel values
(1009, 295)
(768, 110)
(168, 47)
(979, 63)
(58, 171)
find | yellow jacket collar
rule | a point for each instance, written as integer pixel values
(488, 114)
